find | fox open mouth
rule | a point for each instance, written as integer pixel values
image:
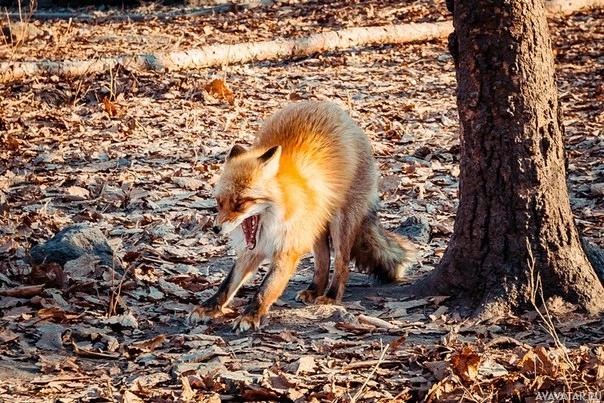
(250, 228)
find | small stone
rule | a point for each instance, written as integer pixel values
(73, 242)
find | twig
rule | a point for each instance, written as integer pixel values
(536, 285)
(366, 364)
(377, 322)
(59, 379)
(377, 364)
(115, 294)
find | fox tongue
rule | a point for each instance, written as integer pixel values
(249, 226)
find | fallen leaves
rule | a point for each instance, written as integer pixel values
(110, 107)
(219, 89)
(303, 365)
(136, 156)
(465, 364)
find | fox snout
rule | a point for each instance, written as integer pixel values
(222, 224)
(217, 228)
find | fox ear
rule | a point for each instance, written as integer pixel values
(235, 151)
(270, 160)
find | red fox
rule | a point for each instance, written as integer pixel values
(309, 180)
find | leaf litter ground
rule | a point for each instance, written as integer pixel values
(136, 155)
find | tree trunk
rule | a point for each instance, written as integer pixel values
(514, 224)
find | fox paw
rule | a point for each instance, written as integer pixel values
(306, 296)
(203, 314)
(246, 322)
(323, 300)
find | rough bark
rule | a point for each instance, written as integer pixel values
(514, 223)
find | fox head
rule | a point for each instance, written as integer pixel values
(246, 190)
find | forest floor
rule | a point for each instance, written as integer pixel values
(136, 154)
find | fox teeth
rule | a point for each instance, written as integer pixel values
(250, 226)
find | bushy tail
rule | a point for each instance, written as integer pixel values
(381, 253)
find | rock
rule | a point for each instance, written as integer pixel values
(415, 228)
(21, 31)
(73, 242)
(595, 255)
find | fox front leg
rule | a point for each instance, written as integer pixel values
(242, 270)
(273, 285)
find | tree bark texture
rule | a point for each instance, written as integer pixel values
(514, 221)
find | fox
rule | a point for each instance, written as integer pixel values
(308, 182)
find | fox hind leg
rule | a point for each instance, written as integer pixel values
(321, 275)
(343, 229)
(244, 268)
(273, 285)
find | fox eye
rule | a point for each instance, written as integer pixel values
(241, 205)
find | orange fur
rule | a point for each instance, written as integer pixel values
(309, 177)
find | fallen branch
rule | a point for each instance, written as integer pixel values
(377, 364)
(556, 7)
(216, 55)
(377, 322)
(567, 7)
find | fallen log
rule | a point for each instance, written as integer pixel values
(560, 7)
(215, 55)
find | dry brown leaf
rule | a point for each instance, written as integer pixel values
(548, 363)
(129, 397)
(144, 382)
(188, 183)
(305, 364)
(288, 336)
(465, 364)
(48, 274)
(172, 289)
(6, 335)
(110, 107)
(187, 392)
(528, 362)
(126, 320)
(11, 143)
(82, 268)
(218, 89)
(57, 314)
(54, 363)
(25, 291)
(78, 192)
(150, 344)
(85, 352)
